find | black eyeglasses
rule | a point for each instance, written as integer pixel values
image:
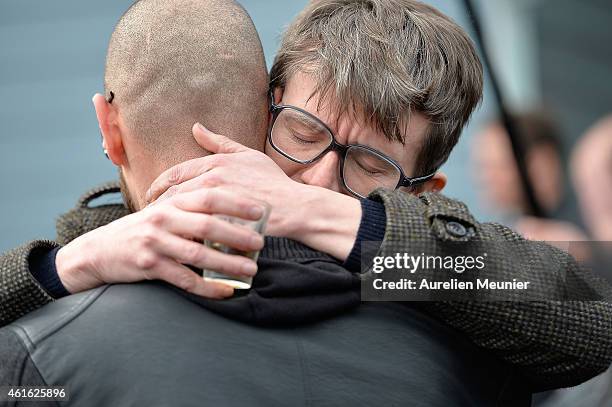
(303, 138)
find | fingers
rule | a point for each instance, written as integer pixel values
(198, 255)
(178, 174)
(219, 201)
(187, 186)
(215, 143)
(185, 279)
(207, 227)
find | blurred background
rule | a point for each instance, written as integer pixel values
(551, 58)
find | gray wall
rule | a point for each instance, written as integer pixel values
(575, 61)
(51, 64)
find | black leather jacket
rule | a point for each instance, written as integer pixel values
(148, 345)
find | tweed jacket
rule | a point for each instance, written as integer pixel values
(554, 343)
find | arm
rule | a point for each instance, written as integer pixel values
(554, 343)
(522, 334)
(105, 244)
(24, 286)
(20, 293)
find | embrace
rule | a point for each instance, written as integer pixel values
(344, 139)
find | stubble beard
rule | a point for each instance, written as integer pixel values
(125, 193)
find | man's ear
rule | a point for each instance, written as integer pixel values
(436, 184)
(112, 141)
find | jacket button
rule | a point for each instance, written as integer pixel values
(456, 229)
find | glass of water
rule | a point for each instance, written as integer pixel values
(259, 226)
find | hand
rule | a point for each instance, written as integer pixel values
(234, 167)
(153, 244)
(298, 211)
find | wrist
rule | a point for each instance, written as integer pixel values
(328, 221)
(73, 267)
(300, 215)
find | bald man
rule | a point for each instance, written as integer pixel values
(136, 241)
(224, 81)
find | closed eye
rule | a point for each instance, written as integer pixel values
(300, 138)
(368, 170)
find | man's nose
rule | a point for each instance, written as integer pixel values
(324, 172)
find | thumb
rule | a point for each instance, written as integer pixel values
(215, 143)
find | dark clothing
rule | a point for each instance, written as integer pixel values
(44, 271)
(371, 229)
(295, 285)
(554, 343)
(147, 345)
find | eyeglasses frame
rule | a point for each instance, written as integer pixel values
(341, 149)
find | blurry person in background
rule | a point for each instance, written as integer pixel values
(497, 173)
(591, 173)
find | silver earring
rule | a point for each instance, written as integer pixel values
(105, 151)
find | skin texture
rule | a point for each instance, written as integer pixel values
(155, 242)
(299, 211)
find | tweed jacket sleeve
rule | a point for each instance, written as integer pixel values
(20, 293)
(554, 343)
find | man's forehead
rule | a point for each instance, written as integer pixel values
(350, 127)
(302, 89)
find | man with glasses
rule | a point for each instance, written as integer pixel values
(369, 159)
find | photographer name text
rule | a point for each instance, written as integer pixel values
(458, 265)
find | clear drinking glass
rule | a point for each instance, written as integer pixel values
(259, 226)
